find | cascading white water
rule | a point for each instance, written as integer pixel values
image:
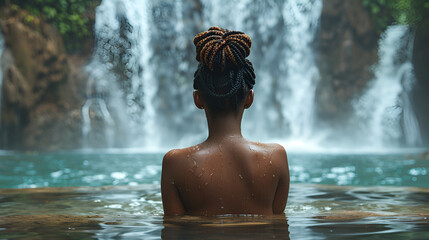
(282, 34)
(140, 84)
(134, 39)
(386, 105)
(302, 75)
(120, 73)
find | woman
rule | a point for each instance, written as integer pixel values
(225, 174)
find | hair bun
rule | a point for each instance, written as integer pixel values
(219, 48)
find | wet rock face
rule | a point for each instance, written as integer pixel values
(421, 70)
(347, 48)
(37, 95)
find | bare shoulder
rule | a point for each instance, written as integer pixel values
(279, 154)
(179, 155)
(276, 152)
(174, 155)
(277, 148)
(268, 147)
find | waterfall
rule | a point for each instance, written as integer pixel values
(284, 63)
(143, 65)
(120, 81)
(140, 79)
(384, 111)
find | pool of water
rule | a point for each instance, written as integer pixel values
(105, 195)
(65, 169)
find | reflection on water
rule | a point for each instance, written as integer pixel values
(226, 227)
(313, 212)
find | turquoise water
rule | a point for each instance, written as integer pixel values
(20, 170)
(341, 196)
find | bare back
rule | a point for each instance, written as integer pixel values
(231, 176)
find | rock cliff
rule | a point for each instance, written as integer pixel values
(42, 86)
(347, 49)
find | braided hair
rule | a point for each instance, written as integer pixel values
(224, 75)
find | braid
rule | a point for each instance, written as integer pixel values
(217, 47)
(223, 72)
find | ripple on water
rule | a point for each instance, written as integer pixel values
(315, 209)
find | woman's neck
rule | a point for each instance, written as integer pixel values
(225, 125)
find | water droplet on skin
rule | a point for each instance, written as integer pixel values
(195, 163)
(264, 174)
(172, 182)
(206, 183)
(240, 176)
(211, 174)
(274, 175)
(271, 163)
(222, 207)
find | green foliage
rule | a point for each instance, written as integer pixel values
(69, 16)
(405, 12)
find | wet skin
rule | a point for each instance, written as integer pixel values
(226, 174)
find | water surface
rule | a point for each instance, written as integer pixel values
(384, 196)
(65, 169)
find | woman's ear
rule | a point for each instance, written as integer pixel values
(249, 99)
(197, 99)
